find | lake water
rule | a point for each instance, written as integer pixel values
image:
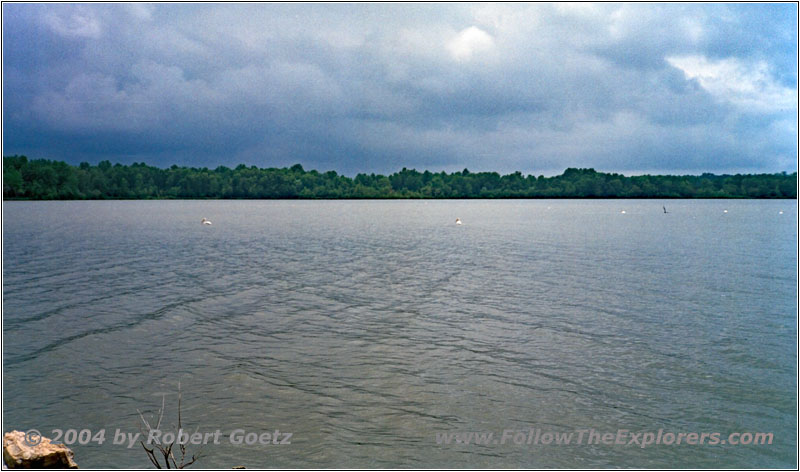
(365, 328)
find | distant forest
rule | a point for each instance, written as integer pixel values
(40, 179)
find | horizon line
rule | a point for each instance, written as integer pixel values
(413, 169)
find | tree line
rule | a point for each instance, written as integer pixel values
(41, 179)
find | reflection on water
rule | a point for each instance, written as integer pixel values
(366, 327)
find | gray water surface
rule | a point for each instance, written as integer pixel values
(367, 327)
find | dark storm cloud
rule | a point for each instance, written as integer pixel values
(375, 87)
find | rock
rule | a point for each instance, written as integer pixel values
(45, 455)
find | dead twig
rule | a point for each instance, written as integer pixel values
(167, 459)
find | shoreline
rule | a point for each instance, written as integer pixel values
(5, 199)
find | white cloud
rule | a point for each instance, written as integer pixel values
(469, 42)
(749, 86)
(79, 23)
(141, 11)
(578, 9)
(693, 28)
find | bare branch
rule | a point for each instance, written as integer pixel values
(166, 450)
(161, 411)
(151, 455)
(194, 458)
(143, 420)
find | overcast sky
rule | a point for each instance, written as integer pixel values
(631, 88)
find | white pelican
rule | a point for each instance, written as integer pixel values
(623, 212)
(780, 212)
(724, 211)
(458, 221)
(205, 221)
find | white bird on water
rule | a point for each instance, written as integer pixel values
(205, 221)
(458, 221)
(623, 212)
